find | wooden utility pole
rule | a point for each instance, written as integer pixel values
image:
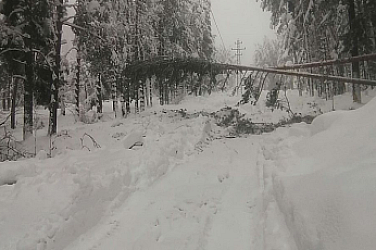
(238, 57)
(225, 68)
(361, 58)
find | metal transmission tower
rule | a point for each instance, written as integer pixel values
(238, 56)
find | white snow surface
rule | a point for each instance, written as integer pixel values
(53, 201)
(324, 179)
(301, 187)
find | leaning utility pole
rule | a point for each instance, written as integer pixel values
(238, 55)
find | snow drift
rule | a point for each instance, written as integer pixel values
(324, 180)
(47, 204)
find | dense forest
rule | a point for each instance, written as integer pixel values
(318, 30)
(111, 34)
(108, 36)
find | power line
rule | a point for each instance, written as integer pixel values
(368, 57)
(225, 67)
(219, 32)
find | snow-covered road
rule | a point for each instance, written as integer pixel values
(300, 187)
(211, 202)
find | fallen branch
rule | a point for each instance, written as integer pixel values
(288, 103)
(9, 150)
(17, 152)
(6, 119)
(95, 143)
(74, 115)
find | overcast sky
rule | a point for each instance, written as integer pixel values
(243, 19)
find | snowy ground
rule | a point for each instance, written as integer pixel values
(323, 179)
(300, 187)
(207, 203)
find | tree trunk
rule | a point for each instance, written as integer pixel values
(142, 96)
(151, 92)
(77, 86)
(185, 88)
(99, 94)
(3, 103)
(5, 95)
(300, 86)
(176, 89)
(147, 91)
(369, 26)
(127, 96)
(54, 106)
(200, 77)
(166, 93)
(354, 52)
(56, 83)
(136, 99)
(86, 89)
(123, 110)
(14, 99)
(28, 95)
(9, 94)
(161, 92)
(113, 94)
(213, 81)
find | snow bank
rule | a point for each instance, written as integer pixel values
(325, 121)
(133, 139)
(304, 105)
(11, 173)
(324, 180)
(47, 204)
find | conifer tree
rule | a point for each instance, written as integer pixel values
(58, 10)
(312, 30)
(207, 46)
(30, 23)
(12, 58)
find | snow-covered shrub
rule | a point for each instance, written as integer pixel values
(90, 102)
(237, 124)
(226, 116)
(89, 117)
(272, 97)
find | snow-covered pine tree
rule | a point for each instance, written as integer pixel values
(30, 22)
(323, 30)
(81, 31)
(198, 27)
(185, 34)
(12, 58)
(96, 42)
(207, 40)
(355, 27)
(118, 27)
(5, 84)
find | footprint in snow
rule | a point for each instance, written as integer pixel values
(221, 178)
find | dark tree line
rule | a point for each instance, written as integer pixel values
(26, 37)
(109, 35)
